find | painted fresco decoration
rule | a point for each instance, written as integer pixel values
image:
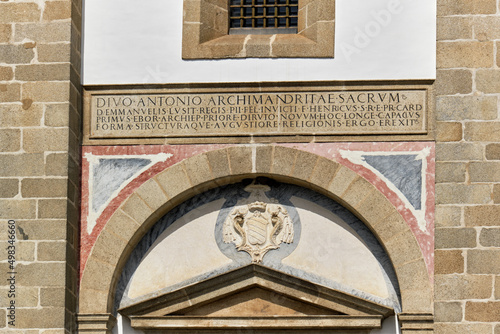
(402, 172)
(108, 174)
(256, 226)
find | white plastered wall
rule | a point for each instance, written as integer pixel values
(135, 42)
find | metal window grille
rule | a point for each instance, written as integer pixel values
(263, 16)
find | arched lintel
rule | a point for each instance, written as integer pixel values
(215, 168)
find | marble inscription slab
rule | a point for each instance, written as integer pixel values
(279, 113)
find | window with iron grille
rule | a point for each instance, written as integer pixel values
(263, 16)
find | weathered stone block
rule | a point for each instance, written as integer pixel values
(21, 164)
(57, 10)
(418, 301)
(25, 250)
(482, 311)
(448, 312)
(11, 12)
(174, 181)
(482, 131)
(263, 158)
(41, 229)
(15, 54)
(51, 251)
(9, 188)
(47, 317)
(450, 172)
(57, 165)
(358, 190)
(54, 53)
(41, 274)
(459, 152)
(496, 193)
(448, 262)
(44, 187)
(219, 163)
(240, 160)
(304, 165)
(341, 181)
(470, 54)
(55, 91)
(45, 139)
(460, 287)
(463, 7)
(127, 228)
(283, 160)
(487, 80)
(486, 28)
(457, 108)
(57, 114)
(490, 237)
(482, 215)
(323, 173)
(52, 208)
(43, 32)
(198, 169)
(451, 82)
(481, 261)
(17, 209)
(10, 140)
(493, 151)
(5, 32)
(42, 72)
(10, 92)
(447, 216)
(380, 212)
(484, 171)
(449, 193)
(6, 73)
(152, 194)
(455, 328)
(454, 27)
(455, 238)
(53, 297)
(25, 297)
(404, 248)
(17, 115)
(136, 208)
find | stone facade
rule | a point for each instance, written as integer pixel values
(40, 117)
(466, 116)
(40, 167)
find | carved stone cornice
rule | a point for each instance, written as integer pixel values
(421, 322)
(96, 323)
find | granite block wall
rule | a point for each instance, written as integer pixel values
(40, 117)
(467, 168)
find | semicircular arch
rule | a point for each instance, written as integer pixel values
(212, 169)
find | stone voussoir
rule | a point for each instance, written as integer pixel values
(152, 194)
(136, 208)
(174, 180)
(341, 181)
(283, 160)
(198, 169)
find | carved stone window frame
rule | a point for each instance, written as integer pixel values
(205, 33)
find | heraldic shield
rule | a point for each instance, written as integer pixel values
(258, 225)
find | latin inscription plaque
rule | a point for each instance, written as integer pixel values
(148, 115)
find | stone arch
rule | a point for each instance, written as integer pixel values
(219, 167)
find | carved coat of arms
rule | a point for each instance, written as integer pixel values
(258, 225)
